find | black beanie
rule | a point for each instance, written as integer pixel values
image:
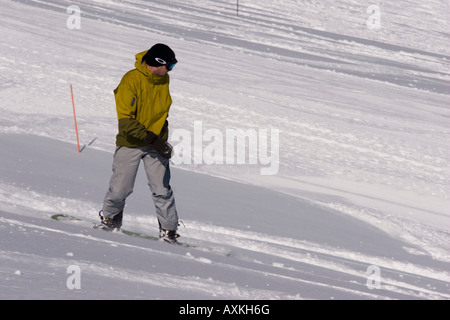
(159, 55)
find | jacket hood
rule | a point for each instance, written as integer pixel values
(142, 67)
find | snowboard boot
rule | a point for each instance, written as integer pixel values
(111, 224)
(169, 236)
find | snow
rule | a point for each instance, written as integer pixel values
(356, 150)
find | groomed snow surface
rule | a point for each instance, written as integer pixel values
(344, 195)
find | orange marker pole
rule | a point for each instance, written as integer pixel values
(75, 118)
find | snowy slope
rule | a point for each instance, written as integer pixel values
(240, 253)
(362, 177)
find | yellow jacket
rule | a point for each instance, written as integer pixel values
(142, 101)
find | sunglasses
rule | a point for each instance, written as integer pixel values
(169, 65)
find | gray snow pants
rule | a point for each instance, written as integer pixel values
(125, 167)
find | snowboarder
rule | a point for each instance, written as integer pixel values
(142, 102)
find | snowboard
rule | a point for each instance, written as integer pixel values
(71, 219)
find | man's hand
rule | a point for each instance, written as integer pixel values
(163, 147)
